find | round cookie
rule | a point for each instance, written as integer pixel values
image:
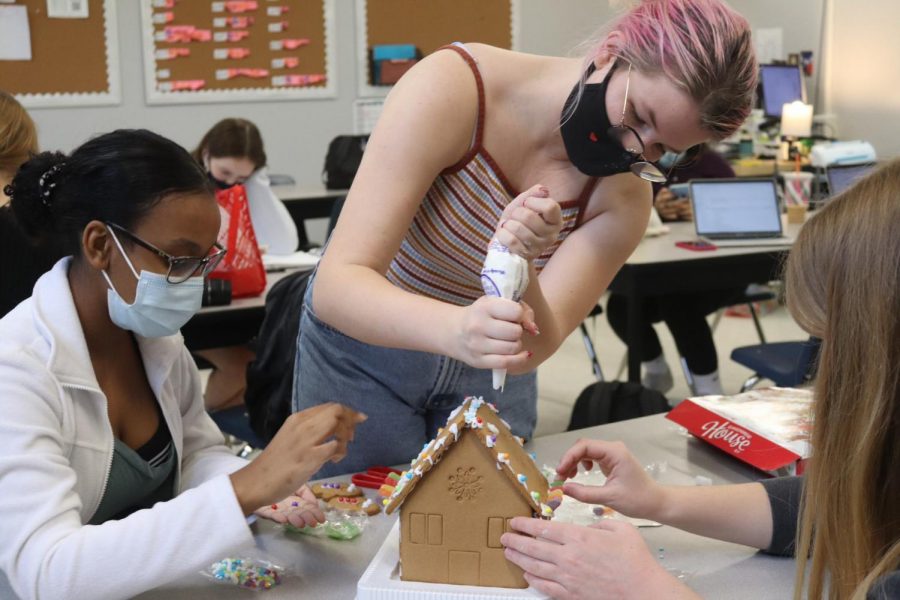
(327, 491)
(355, 504)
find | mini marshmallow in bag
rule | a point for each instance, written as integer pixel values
(504, 275)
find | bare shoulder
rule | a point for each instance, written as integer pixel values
(436, 100)
(621, 194)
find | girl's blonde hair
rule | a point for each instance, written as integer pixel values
(843, 286)
(702, 46)
(18, 136)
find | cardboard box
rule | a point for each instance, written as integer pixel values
(767, 428)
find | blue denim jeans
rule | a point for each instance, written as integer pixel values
(406, 394)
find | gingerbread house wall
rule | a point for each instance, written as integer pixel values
(450, 525)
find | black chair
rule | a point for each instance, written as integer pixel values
(589, 344)
(786, 364)
(749, 298)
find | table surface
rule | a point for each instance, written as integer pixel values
(323, 568)
(299, 192)
(662, 248)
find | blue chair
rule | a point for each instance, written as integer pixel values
(786, 364)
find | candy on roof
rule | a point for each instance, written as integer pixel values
(481, 419)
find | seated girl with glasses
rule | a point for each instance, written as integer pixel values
(550, 156)
(113, 479)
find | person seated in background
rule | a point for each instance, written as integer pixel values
(232, 153)
(685, 313)
(20, 262)
(113, 479)
(847, 504)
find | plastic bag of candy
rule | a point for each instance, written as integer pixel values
(338, 525)
(247, 572)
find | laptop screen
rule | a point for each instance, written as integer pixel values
(840, 178)
(735, 207)
(780, 85)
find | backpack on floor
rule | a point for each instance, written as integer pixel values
(610, 401)
(270, 377)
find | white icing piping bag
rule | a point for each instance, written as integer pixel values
(504, 275)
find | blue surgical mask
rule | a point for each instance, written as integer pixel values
(667, 160)
(160, 308)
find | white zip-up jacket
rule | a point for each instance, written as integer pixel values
(56, 448)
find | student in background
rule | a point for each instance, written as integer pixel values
(20, 262)
(548, 155)
(684, 314)
(847, 504)
(113, 479)
(232, 153)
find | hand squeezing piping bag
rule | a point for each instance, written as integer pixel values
(504, 275)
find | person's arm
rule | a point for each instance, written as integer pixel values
(204, 452)
(47, 552)
(272, 223)
(733, 513)
(584, 264)
(426, 126)
(667, 204)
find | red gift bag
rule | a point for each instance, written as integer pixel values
(242, 265)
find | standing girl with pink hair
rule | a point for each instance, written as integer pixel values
(550, 156)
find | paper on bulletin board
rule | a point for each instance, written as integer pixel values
(67, 9)
(15, 34)
(769, 44)
(365, 115)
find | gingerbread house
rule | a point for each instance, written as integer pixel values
(458, 497)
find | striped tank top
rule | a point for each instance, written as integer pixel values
(443, 251)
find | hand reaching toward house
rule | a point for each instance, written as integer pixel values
(608, 560)
(628, 488)
(307, 440)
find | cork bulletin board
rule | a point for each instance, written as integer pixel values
(430, 25)
(238, 50)
(74, 62)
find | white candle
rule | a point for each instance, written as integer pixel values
(796, 119)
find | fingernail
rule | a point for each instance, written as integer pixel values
(544, 190)
(530, 354)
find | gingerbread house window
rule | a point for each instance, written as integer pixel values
(495, 530)
(426, 529)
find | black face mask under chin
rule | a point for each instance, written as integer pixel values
(586, 132)
(220, 185)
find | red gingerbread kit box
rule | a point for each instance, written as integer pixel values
(767, 428)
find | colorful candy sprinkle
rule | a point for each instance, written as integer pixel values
(246, 574)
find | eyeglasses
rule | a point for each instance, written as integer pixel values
(635, 146)
(181, 268)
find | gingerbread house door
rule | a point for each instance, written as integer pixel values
(464, 567)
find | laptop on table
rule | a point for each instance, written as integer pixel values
(737, 212)
(840, 177)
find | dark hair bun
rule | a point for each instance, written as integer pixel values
(33, 193)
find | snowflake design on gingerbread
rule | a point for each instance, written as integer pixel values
(465, 485)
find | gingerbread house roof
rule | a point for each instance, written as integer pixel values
(479, 418)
